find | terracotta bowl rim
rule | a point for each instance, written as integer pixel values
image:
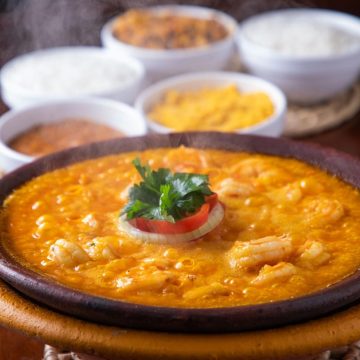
(229, 319)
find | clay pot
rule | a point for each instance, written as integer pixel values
(127, 315)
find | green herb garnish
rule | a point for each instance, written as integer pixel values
(163, 195)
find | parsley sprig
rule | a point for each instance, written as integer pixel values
(163, 195)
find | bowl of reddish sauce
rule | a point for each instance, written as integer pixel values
(41, 129)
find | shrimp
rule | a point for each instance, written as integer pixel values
(109, 247)
(103, 248)
(67, 253)
(184, 159)
(250, 167)
(90, 220)
(147, 282)
(267, 250)
(207, 291)
(290, 193)
(232, 188)
(313, 254)
(323, 211)
(270, 274)
(274, 177)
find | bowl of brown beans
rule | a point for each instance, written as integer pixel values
(41, 129)
(172, 39)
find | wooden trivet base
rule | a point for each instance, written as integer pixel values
(351, 352)
(304, 120)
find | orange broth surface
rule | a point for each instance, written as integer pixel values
(289, 229)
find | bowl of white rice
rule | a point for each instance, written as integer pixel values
(70, 72)
(311, 54)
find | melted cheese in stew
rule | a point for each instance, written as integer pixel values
(289, 229)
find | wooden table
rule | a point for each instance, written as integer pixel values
(18, 18)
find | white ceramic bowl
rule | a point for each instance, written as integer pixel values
(85, 71)
(164, 63)
(102, 111)
(303, 79)
(272, 126)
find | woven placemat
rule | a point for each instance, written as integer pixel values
(51, 353)
(305, 120)
(312, 119)
(351, 352)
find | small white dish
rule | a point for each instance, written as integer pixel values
(272, 126)
(68, 72)
(304, 79)
(160, 64)
(112, 113)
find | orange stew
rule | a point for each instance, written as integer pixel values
(289, 229)
(166, 30)
(46, 138)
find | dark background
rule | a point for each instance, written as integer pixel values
(26, 25)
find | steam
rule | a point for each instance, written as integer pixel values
(48, 23)
(37, 24)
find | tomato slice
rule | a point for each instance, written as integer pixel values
(212, 200)
(185, 225)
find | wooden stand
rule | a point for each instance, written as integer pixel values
(65, 332)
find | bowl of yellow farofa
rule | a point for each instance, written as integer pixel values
(214, 101)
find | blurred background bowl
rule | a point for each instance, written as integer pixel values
(68, 72)
(304, 79)
(111, 113)
(164, 63)
(272, 126)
